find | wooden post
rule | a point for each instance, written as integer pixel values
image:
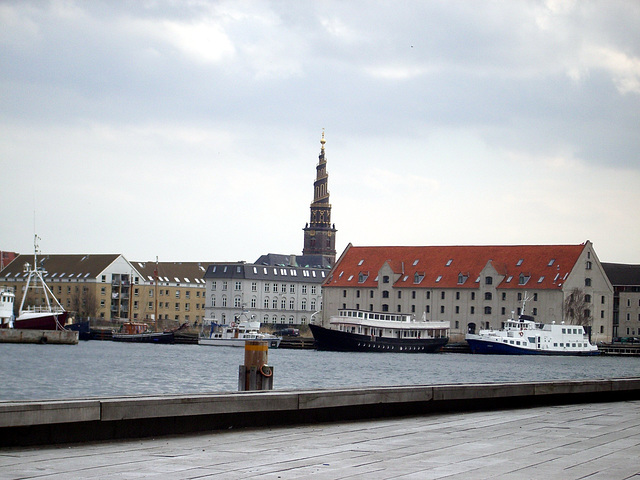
(255, 374)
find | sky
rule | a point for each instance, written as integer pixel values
(190, 130)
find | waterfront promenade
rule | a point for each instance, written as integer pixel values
(593, 440)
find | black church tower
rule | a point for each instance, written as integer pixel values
(319, 233)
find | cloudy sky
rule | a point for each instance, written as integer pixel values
(190, 130)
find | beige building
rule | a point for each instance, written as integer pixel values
(475, 287)
(109, 288)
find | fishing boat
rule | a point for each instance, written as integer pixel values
(244, 328)
(49, 314)
(139, 332)
(525, 336)
(360, 331)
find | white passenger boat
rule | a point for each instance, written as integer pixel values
(235, 334)
(524, 336)
(360, 331)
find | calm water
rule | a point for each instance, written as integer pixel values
(109, 368)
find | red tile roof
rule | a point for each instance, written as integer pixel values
(442, 265)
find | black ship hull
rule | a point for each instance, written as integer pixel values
(327, 339)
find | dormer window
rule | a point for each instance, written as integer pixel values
(362, 277)
(385, 279)
(524, 278)
(418, 277)
(488, 280)
(462, 278)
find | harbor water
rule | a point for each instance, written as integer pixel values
(98, 369)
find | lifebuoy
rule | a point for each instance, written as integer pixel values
(266, 371)
(521, 333)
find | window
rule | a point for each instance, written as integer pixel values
(523, 279)
(313, 289)
(292, 288)
(292, 304)
(487, 296)
(385, 279)
(236, 302)
(385, 307)
(487, 310)
(441, 308)
(462, 278)
(362, 277)
(254, 286)
(587, 298)
(213, 285)
(213, 301)
(587, 282)
(457, 295)
(589, 265)
(266, 287)
(473, 310)
(473, 295)
(266, 303)
(344, 293)
(442, 295)
(504, 296)
(399, 293)
(488, 280)
(304, 304)
(177, 293)
(283, 304)
(275, 288)
(385, 294)
(224, 285)
(313, 305)
(224, 300)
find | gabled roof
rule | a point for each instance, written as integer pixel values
(621, 274)
(547, 266)
(172, 272)
(65, 266)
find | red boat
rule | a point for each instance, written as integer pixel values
(51, 315)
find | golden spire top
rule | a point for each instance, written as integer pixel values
(322, 140)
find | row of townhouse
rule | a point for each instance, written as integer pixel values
(274, 294)
(475, 287)
(108, 287)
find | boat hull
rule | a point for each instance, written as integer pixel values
(335, 340)
(156, 337)
(481, 346)
(46, 321)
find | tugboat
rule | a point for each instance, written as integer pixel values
(524, 336)
(360, 331)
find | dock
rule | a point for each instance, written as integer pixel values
(58, 337)
(25, 423)
(569, 442)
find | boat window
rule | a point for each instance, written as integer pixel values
(551, 262)
(541, 279)
(449, 262)
(439, 278)
(360, 262)
(415, 262)
(519, 262)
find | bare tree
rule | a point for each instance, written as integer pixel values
(576, 308)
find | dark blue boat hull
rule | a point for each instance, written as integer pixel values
(335, 340)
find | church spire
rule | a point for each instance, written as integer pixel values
(319, 233)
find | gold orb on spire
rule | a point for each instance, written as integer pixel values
(322, 140)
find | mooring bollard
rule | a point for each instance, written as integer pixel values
(255, 374)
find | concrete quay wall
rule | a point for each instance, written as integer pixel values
(92, 419)
(61, 337)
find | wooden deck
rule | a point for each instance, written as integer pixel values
(595, 441)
